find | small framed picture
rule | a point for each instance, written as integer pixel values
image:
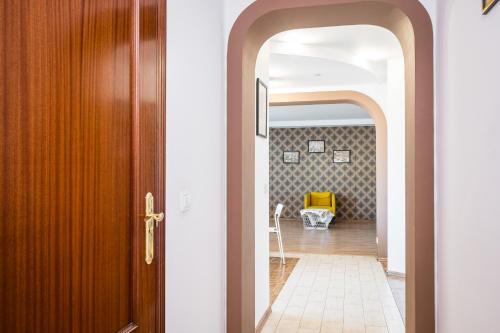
(262, 105)
(291, 157)
(316, 146)
(488, 5)
(341, 156)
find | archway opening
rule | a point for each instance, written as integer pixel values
(409, 21)
(375, 111)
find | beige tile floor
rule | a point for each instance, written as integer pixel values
(335, 293)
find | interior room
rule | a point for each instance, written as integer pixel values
(249, 166)
(344, 163)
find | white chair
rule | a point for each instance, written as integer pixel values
(277, 230)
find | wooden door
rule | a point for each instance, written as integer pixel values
(81, 143)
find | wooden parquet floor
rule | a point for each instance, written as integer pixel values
(278, 274)
(345, 237)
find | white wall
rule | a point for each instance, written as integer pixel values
(395, 113)
(468, 136)
(195, 247)
(262, 203)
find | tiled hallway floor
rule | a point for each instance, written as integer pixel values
(335, 293)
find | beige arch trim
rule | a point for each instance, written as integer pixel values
(375, 111)
(411, 24)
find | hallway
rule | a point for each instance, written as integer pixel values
(335, 293)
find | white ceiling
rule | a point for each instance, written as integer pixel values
(317, 58)
(318, 115)
(320, 59)
(294, 71)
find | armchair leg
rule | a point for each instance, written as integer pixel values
(334, 219)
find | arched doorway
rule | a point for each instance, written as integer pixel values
(409, 21)
(372, 107)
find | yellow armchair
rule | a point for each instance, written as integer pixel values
(320, 200)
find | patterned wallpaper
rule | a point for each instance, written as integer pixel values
(354, 184)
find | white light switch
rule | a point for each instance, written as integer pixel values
(185, 201)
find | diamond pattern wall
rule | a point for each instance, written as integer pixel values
(354, 184)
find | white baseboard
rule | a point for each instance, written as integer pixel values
(396, 274)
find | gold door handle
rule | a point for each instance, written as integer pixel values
(150, 219)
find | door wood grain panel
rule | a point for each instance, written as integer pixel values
(71, 185)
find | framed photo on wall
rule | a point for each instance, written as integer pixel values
(341, 156)
(488, 5)
(262, 106)
(291, 157)
(316, 146)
